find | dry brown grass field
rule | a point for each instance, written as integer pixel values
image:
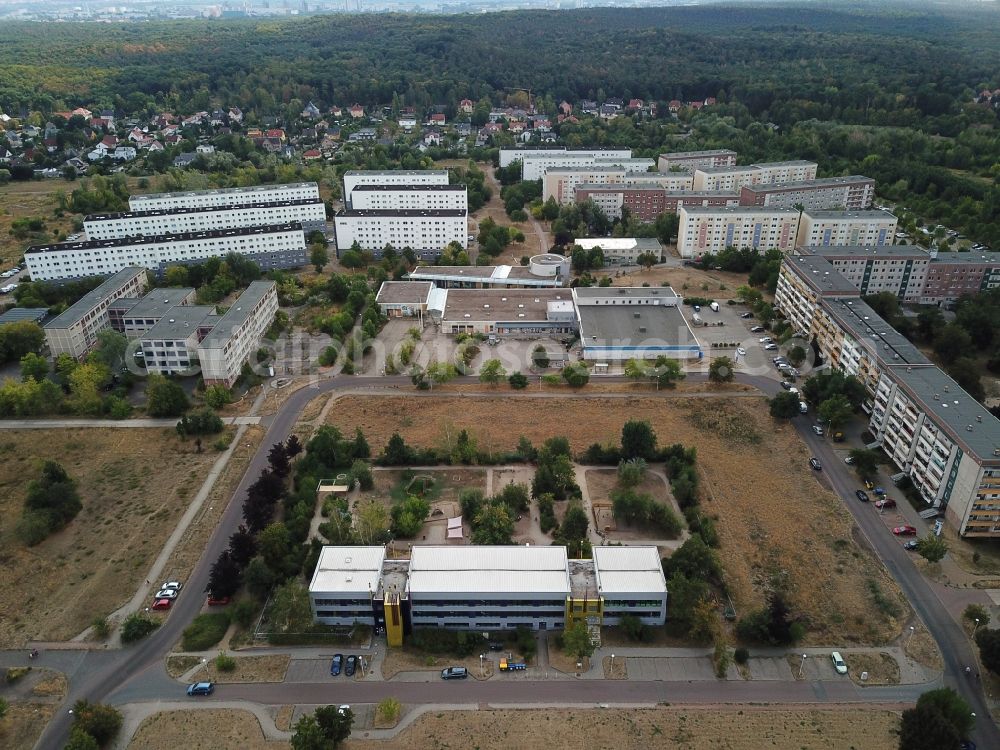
(134, 484)
(779, 527)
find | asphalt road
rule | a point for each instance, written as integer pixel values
(138, 670)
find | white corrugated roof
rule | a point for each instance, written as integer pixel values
(348, 569)
(628, 569)
(435, 569)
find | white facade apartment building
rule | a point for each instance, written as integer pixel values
(427, 233)
(410, 197)
(622, 251)
(271, 247)
(297, 191)
(690, 161)
(311, 214)
(170, 347)
(711, 230)
(74, 331)
(853, 193)
(826, 228)
(674, 182)
(935, 432)
(357, 177)
(534, 167)
(509, 155)
(237, 334)
(731, 179)
(560, 183)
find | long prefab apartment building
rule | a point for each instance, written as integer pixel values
(427, 232)
(310, 213)
(391, 177)
(271, 247)
(238, 196)
(486, 588)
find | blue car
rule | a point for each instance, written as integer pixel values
(201, 688)
(335, 665)
(351, 665)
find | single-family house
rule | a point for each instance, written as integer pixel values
(311, 112)
(565, 107)
(235, 114)
(437, 118)
(123, 153)
(182, 161)
(433, 138)
(407, 122)
(276, 133)
(51, 145)
(466, 106)
(336, 111)
(312, 155)
(357, 111)
(205, 148)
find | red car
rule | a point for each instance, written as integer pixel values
(904, 531)
(162, 604)
(885, 502)
(221, 601)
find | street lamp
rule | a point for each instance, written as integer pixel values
(482, 671)
(977, 626)
(802, 664)
(612, 665)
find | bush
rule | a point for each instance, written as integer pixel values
(243, 612)
(101, 627)
(225, 663)
(14, 674)
(388, 710)
(100, 721)
(977, 612)
(205, 631)
(136, 627)
(741, 655)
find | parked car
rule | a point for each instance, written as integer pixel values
(818, 430)
(849, 460)
(838, 662)
(351, 665)
(862, 496)
(838, 437)
(162, 604)
(201, 688)
(910, 545)
(803, 407)
(746, 315)
(885, 502)
(741, 351)
(218, 602)
(869, 485)
(8, 289)
(770, 347)
(166, 594)
(904, 531)
(757, 329)
(496, 646)
(765, 340)
(785, 384)
(175, 585)
(454, 673)
(814, 462)
(879, 491)
(336, 664)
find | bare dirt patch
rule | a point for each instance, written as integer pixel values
(566, 663)
(615, 671)
(178, 665)
(134, 484)
(689, 282)
(23, 724)
(228, 730)
(248, 669)
(882, 669)
(922, 648)
(51, 685)
(779, 527)
(639, 729)
(283, 719)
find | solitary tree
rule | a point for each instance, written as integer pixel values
(576, 375)
(638, 440)
(836, 410)
(646, 260)
(932, 548)
(518, 381)
(865, 462)
(988, 641)
(492, 372)
(721, 370)
(576, 640)
(797, 355)
(940, 719)
(318, 256)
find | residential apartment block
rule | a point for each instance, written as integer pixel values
(854, 193)
(170, 347)
(564, 184)
(733, 178)
(427, 233)
(239, 196)
(271, 247)
(74, 331)
(236, 335)
(951, 275)
(647, 203)
(410, 197)
(486, 588)
(710, 230)
(533, 167)
(690, 161)
(396, 177)
(509, 155)
(873, 228)
(932, 430)
(310, 213)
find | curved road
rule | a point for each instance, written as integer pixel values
(121, 675)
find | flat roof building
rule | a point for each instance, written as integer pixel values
(483, 588)
(503, 276)
(853, 193)
(310, 213)
(647, 201)
(170, 346)
(505, 312)
(732, 178)
(622, 323)
(74, 331)
(236, 196)
(711, 230)
(690, 161)
(824, 228)
(410, 197)
(620, 251)
(508, 156)
(396, 177)
(403, 298)
(23, 314)
(270, 247)
(425, 232)
(237, 334)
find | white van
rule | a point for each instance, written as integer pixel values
(715, 307)
(803, 407)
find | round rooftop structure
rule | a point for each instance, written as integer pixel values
(549, 264)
